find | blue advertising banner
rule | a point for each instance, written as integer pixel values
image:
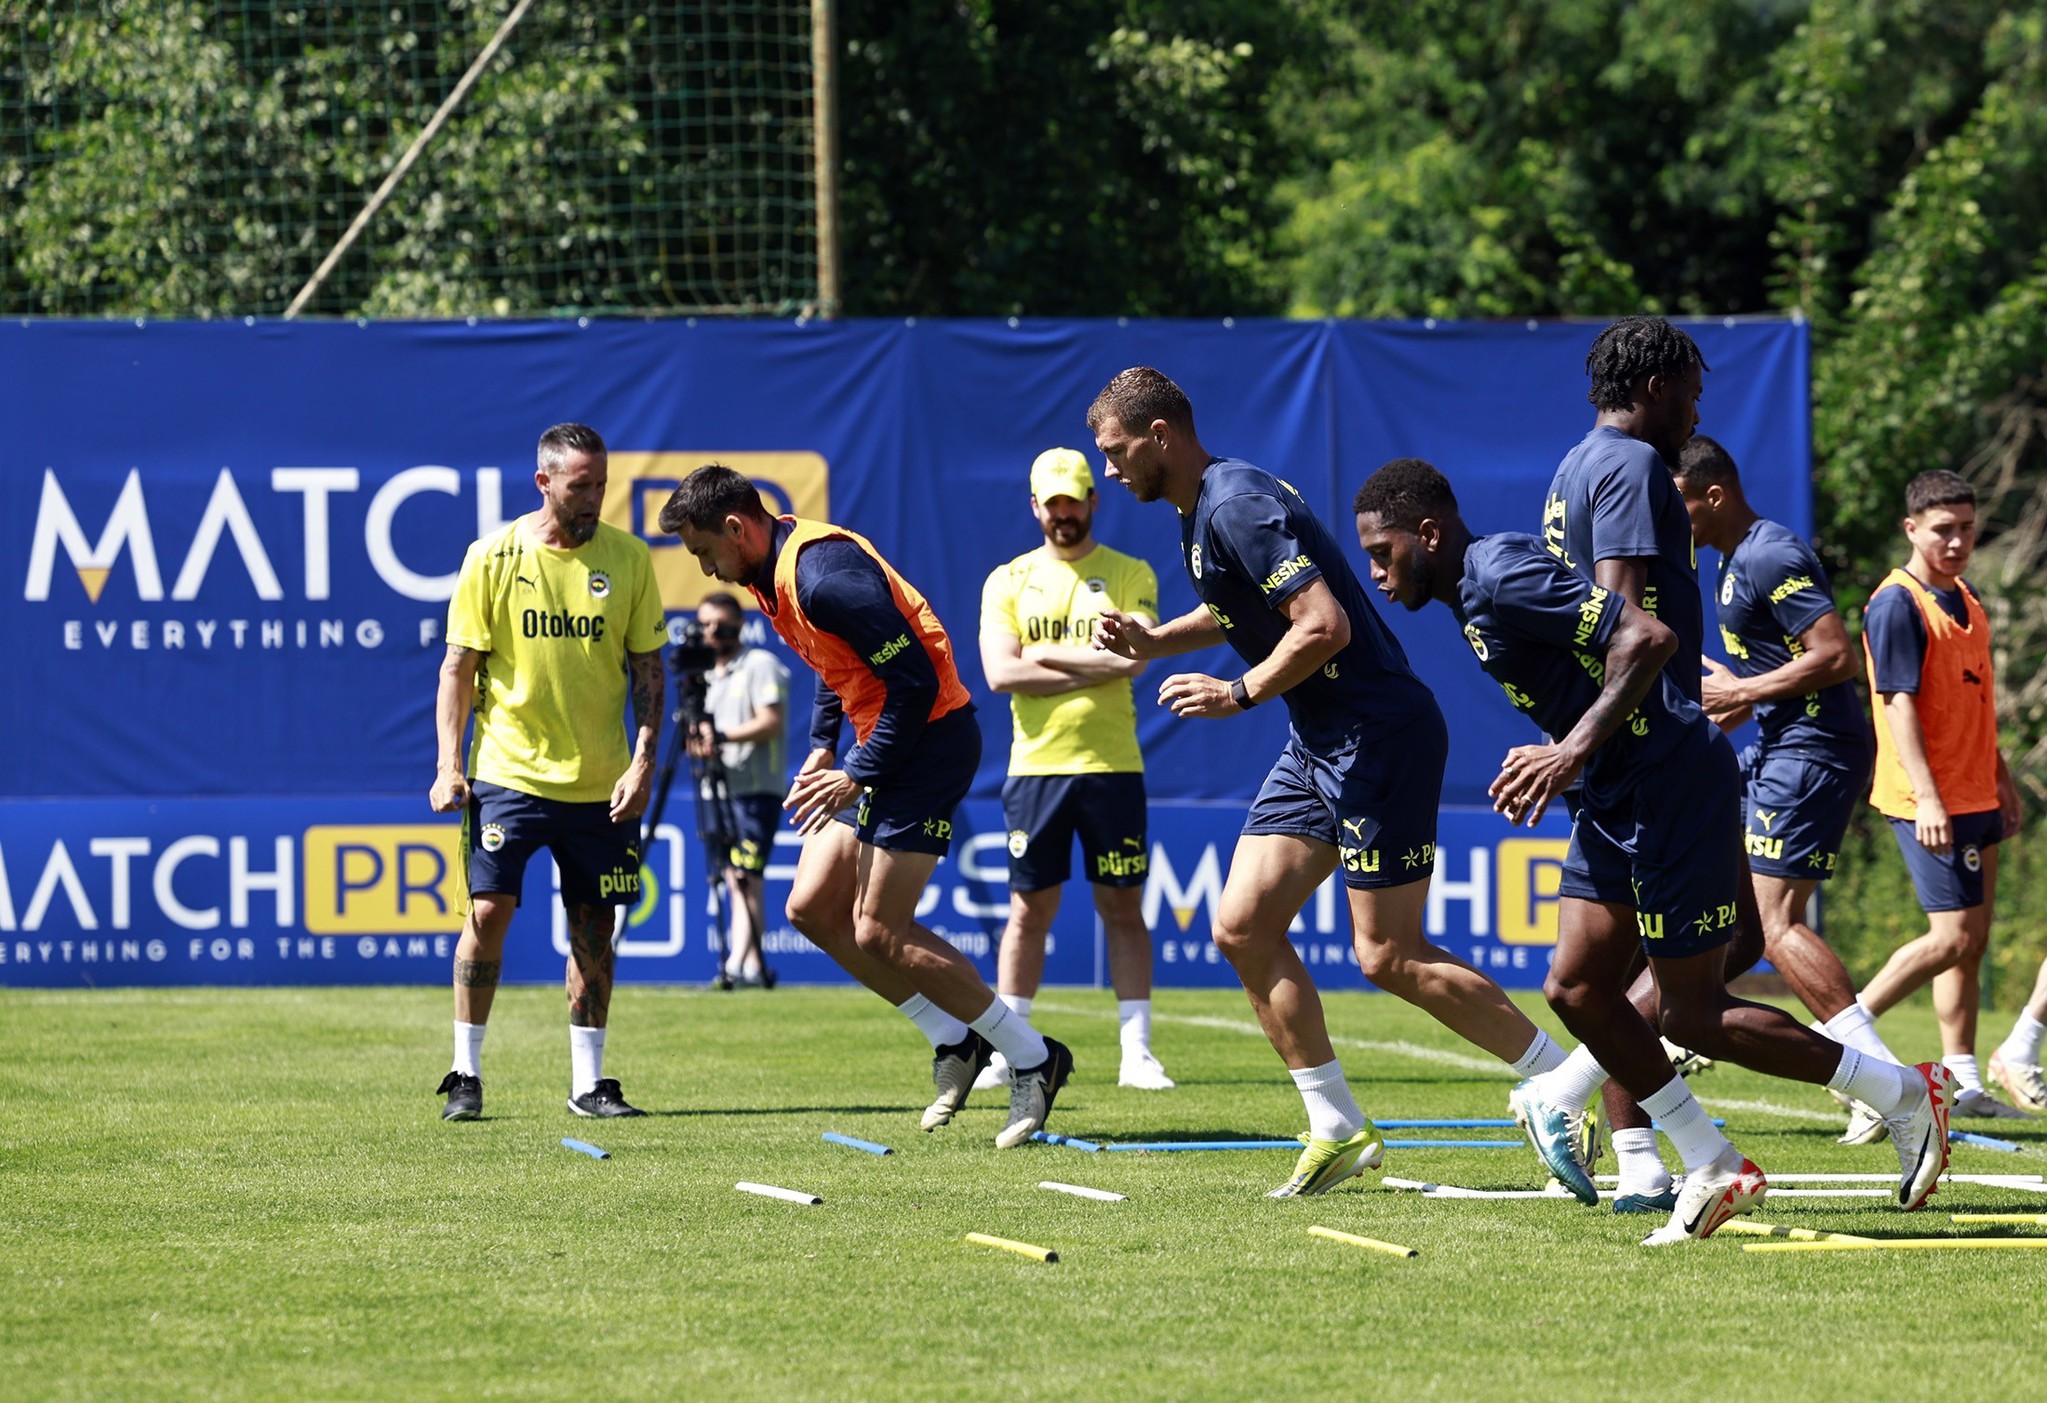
(232, 547)
(365, 891)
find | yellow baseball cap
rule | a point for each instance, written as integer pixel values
(1061, 472)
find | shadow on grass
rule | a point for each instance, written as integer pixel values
(1178, 1134)
(789, 1111)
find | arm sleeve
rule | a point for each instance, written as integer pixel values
(1897, 639)
(1540, 598)
(1143, 590)
(844, 592)
(1253, 530)
(469, 609)
(998, 605)
(767, 681)
(1793, 586)
(646, 627)
(1624, 505)
(827, 719)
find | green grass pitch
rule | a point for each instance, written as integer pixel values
(249, 1194)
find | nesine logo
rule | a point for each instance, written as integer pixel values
(1588, 616)
(1286, 572)
(1791, 587)
(889, 649)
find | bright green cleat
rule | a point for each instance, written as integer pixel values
(1327, 1163)
(1589, 1140)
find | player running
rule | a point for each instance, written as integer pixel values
(1657, 811)
(1356, 785)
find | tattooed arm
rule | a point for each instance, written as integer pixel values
(649, 688)
(453, 699)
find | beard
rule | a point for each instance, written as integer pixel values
(1066, 532)
(579, 528)
(1423, 571)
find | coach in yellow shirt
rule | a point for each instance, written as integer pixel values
(1074, 766)
(553, 614)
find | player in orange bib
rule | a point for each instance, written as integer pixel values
(1939, 777)
(876, 822)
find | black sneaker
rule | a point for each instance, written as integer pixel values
(603, 1100)
(1032, 1090)
(465, 1096)
(953, 1069)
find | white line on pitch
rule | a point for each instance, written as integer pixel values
(1238, 1025)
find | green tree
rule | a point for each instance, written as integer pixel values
(1075, 157)
(1536, 157)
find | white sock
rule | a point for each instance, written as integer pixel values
(1012, 1034)
(1853, 1027)
(1692, 1133)
(1641, 1168)
(1876, 1082)
(1133, 1024)
(586, 1059)
(1543, 1055)
(1572, 1083)
(468, 1048)
(939, 1028)
(1019, 1004)
(1967, 1078)
(1333, 1112)
(2023, 1046)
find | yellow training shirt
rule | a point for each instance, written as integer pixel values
(1038, 598)
(554, 627)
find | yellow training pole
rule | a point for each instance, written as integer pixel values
(1391, 1249)
(1744, 1227)
(2037, 1219)
(1022, 1249)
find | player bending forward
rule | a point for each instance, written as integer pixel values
(1658, 805)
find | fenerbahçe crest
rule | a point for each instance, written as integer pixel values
(1194, 559)
(493, 837)
(1019, 842)
(600, 583)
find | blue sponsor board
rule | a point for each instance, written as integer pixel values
(225, 567)
(366, 891)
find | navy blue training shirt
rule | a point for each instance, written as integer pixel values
(1772, 589)
(1897, 635)
(1613, 499)
(1249, 545)
(845, 593)
(1541, 631)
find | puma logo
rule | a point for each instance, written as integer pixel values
(526, 582)
(1971, 678)
(1355, 827)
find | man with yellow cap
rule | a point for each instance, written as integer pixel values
(1074, 765)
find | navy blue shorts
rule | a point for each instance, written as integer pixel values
(1044, 812)
(754, 819)
(1376, 807)
(1954, 882)
(912, 813)
(599, 859)
(1795, 811)
(1672, 849)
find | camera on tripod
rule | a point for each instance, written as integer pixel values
(696, 653)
